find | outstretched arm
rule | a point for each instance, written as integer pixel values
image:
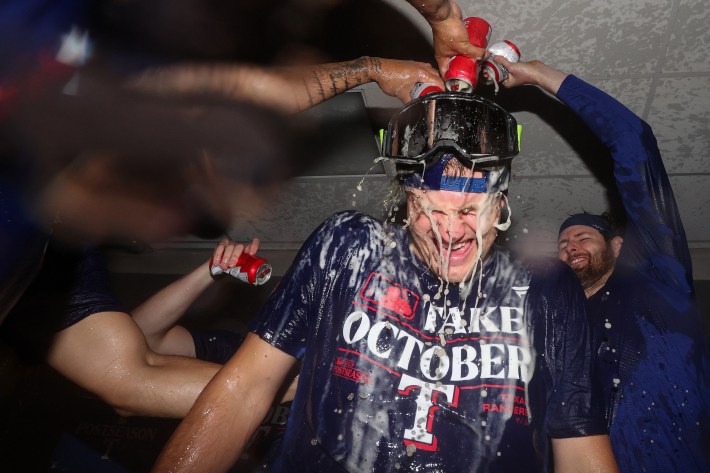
(532, 73)
(654, 240)
(228, 411)
(290, 89)
(450, 35)
(157, 317)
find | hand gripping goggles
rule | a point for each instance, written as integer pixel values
(477, 131)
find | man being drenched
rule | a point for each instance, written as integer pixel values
(423, 347)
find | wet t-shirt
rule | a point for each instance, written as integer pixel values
(652, 364)
(215, 345)
(401, 372)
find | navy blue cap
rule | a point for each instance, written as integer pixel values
(590, 220)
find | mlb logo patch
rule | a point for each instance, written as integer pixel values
(389, 296)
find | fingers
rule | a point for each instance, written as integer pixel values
(218, 252)
(232, 254)
(503, 61)
(462, 48)
(398, 77)
(456, 10)
(252, 247)
(513, 69)
(427, 75)
(227, 252)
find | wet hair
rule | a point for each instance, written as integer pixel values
(456, 168)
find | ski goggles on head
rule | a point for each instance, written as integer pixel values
(474, 129)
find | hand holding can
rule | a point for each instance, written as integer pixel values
(494, 72)
(462, 74)
(250, 269)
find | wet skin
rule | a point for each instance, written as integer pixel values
(578, 243)
(444, 226)
(591, 257)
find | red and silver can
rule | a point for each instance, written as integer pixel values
(250, 269)
(479, 31)
(493, 71)
(506, 49)
(420, 89)
(462, 74)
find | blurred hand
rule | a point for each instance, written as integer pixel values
(228, 252)
(397, 77)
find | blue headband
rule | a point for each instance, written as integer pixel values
(588, 220)
(435, 179)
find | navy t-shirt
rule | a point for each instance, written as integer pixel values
(653, 364)
(215, 345)
(401, 373)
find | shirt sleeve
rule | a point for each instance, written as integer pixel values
(655, 241)
(285, 319)
(305, 298)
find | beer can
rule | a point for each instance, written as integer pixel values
(250, 269)
(494, 72)
(506, 49)
(420, 89)
(479, 31)
(462, 74)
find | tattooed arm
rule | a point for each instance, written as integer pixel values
(290, 89)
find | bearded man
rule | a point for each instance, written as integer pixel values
(651, 353)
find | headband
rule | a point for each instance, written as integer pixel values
(589, 220)
(494, 178)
